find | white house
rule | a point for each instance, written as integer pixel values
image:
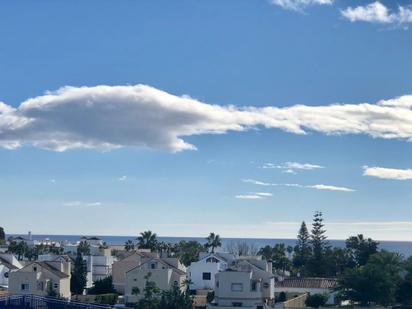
(164, 272)
(293, 287)
(40, 278)
(121, 267)
(248, 284)
(201, 274)
(8, 263)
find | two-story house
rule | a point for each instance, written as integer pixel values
(8, 263)
(248, 284)
(201, 274)
(164, 272)
(41, 278)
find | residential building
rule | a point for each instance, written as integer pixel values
(132, 260)
(164, 272)
(8, 263)
(293, 287)
(40, 278)
(249, 283)
(201, 274)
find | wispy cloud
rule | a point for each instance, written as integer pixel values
(254, 196)
(110, 117)
(296, 185)
(82, 204)
(387, 173)
(330, 188)
(122, 178)
(377, 12)
(258, 182)
(299, 5)
(291, 167)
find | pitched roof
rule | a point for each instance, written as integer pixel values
(51, 268)
(308, 283)
(6, 263)
(160, 260)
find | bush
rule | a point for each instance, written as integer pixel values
(103, 286)
(316, 300)
(108, 299)
(282, 297)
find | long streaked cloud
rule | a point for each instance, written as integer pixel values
(254, 196)
(299, 5)
(291, 167)
(82, 204)
(377, 12)
(387, 173)
(110, 117)
(296, 185)
(330, 188)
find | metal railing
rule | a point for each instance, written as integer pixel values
(41, 302)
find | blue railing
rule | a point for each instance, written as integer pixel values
(41, 302)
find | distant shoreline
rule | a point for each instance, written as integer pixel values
(403, 247)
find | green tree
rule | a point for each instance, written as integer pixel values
(2, 236)
(78, 278)
(147, 240)
(266, 252)
(151, 295)
(302, 249)
(213, 241)
(376, 282)
(317, 264)
(404, 293)
(188, 251)
(18, 248)
(279, 259)
(102, 286)
(129, 245)
(316, 300)
(83, 248)
(361, 248)
(175, 299)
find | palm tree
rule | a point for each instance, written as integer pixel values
(147, 240)
(213, 241)
(129, 245)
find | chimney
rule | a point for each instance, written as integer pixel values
(270, 266)
(29, 235)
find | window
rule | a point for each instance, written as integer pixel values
(265, 285)
(34, 268)
(253, 286)
(217, 284)
(6, 274)
(212, 260)
(153, 265)
(237, 287)
(259, 307)
(236, 304)
(206, 276)
(56, 285)
(25, 287)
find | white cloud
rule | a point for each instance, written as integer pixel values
(330, 188)
(387, 173)
(376, 12)
(299, 5)
(258, 182)
(53, 180)
(296, 185)
(122, 178)
(82, 204)
(248, 197)
(109, 117)
(291, 167)
(254, 196)
(264, 194)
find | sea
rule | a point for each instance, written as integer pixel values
(403, 247)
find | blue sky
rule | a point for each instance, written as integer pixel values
(207, 55)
